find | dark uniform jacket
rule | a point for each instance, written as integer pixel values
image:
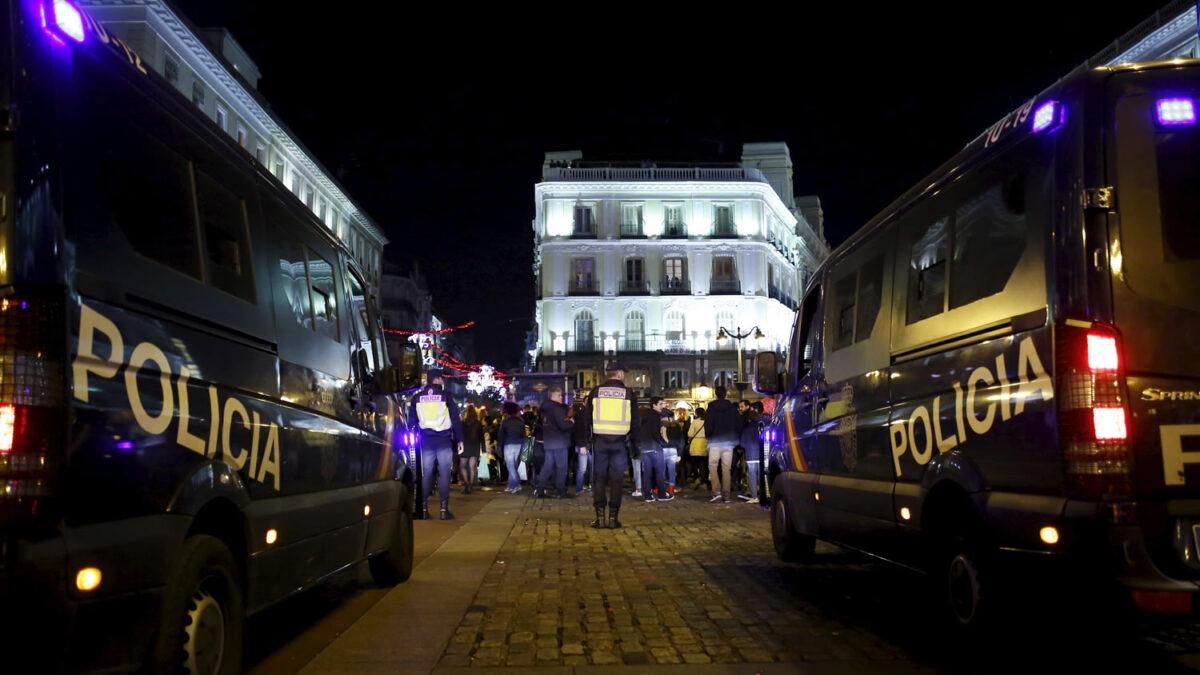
(721, 422)
(556, 428)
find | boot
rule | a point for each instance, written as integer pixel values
(424, 513)
(599, 523)
(446, 515)
(613, 523)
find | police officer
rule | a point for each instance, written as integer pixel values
(437, 415)
(613, 414)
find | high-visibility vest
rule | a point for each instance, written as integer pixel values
(432, 411)
(610, 411)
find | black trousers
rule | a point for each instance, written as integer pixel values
(608, 477)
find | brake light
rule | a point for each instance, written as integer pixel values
(32, 403)
(1092, 414)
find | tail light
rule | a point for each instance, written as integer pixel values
(32, 407)
(1093, 417)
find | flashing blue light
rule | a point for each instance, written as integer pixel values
(1172, 111)
(64, 19)
(1047, 117)
(125, 445)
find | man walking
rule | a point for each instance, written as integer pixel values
(581, 437)
(752, 444)
(437, 417)
(612, 410)
(721, 430)
(556, 436)
(651, 436)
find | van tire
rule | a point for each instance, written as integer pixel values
(395, 564)
(790, 545)
(203, 613)
(966, 581)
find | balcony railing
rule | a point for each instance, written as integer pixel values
(632, 287)
(725, 287)
(586, 343)
(654, 173)
(724, 231)
(588, 287)
(584, 231)
(675, 287)
(632, 344)
(675, 232)
(776, 293)
(632, 231)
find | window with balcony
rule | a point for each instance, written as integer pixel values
(676, 379)
(673, 226)
(585, 338)
(634, 282)
(674, 325)
(724, 276)
(583, 281)
(725, 320)
(635, 332)
(585, 221)
(171, 68)
(222, 118)
(198, 94)
(724, 378)
(631, 220)
(723, 221)
(674, 280)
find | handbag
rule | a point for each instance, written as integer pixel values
(526, 450)
(484, 472)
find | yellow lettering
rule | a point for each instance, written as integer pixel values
(1037, 381)
(899, 443)
(214, 413)
(978, 426)
(943, 444)
(233, 407)
(182, 437)
(86, 360)
(1002, 375)
(143, 353)
(256, 424)
(270, 460)
(922, 414)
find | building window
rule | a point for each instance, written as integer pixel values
(222, 117)
(279, 170)
(723, 221)
(631, 220)
(322, 208)
(171, 68)
(635, 276)
(296, 183)
(635, 332)
(588, 379)
(673, 324)
(676, 379)
(242, 134)
(308, 196)
(724, 378)
(198, 94)
(585, 223)
(725, 320)
(585, 339)
(260, 153)
(582, 279)
(673, 221)
(724, 275)
(674, 274)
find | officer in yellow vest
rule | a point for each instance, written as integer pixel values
(613, 412)
(441, 434)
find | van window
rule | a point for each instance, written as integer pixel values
(857, 298)
(294, 281)
(147, 187)
(989, 238)
(366, 356)
(927, 274)
(324, 296)
(808, 334)
(226, 238)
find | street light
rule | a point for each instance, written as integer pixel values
(724, 334)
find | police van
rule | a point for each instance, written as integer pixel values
(1002, 368)
(197, 413)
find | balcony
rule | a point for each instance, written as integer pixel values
(724, 231)
(725, 287)
(652, 173)
(634, 287)
(776, 293)
(587, 344)
(636, 343)
(632, 231)
(588, 287)
(675, 287)
(675, 232)
(584, 231)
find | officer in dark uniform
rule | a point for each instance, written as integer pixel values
(613, 414)
(441, 434)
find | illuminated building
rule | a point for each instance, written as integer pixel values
(648, 262)
(212, 71)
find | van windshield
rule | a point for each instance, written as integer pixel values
(1158, 169)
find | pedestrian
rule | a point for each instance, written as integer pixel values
(581, 438)
(511, 438)
(721, 430)
(752, 443)
(676, 426)
(651, 438)
(473, 443)
(556, 435)
(441, 433)
(698, 451)
(613, 416)
(635, 461)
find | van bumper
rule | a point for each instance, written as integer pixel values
(57, 628)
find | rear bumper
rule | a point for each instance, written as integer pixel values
(57, 628)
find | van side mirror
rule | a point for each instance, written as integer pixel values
(406, 374)
(766, 373)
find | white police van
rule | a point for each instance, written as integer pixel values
(1003, 365)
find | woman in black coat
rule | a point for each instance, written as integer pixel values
(468, 460)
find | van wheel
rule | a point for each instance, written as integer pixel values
(395, 564)
(967, 584)
(790, 546)
(200, 632)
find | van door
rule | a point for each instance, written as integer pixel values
(1154, 252)
(799, 486)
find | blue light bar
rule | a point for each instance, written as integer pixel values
(61, 18)
(1047, 117)
(1173, 111)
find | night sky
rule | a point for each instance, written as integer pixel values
(436, 121)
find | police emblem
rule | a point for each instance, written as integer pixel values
(848, 430)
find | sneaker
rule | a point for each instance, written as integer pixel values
(752, 500)
(726, 501)
(745, 497)
(637, 493)
(716, 498)
(666, 498)
(670, 489)
(649, 499)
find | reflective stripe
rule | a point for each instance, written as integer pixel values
(610, 416)
(433, 414)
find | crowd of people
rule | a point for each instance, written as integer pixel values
(599, 443)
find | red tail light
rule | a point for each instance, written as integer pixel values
(32, 403)
(1092, 414)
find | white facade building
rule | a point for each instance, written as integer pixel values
(211, 70)
(648, 263)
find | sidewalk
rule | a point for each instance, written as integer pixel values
(684, 586)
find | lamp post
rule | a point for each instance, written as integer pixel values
(723, 334)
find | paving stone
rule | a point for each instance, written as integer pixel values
(605, 659)
(696, 658)
(547, 654)
(456, 660)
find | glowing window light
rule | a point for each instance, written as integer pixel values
(1047, 117)
(87, 579)
(64, 19)
(1176, 111)
(8, 426)
(1109, 424)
